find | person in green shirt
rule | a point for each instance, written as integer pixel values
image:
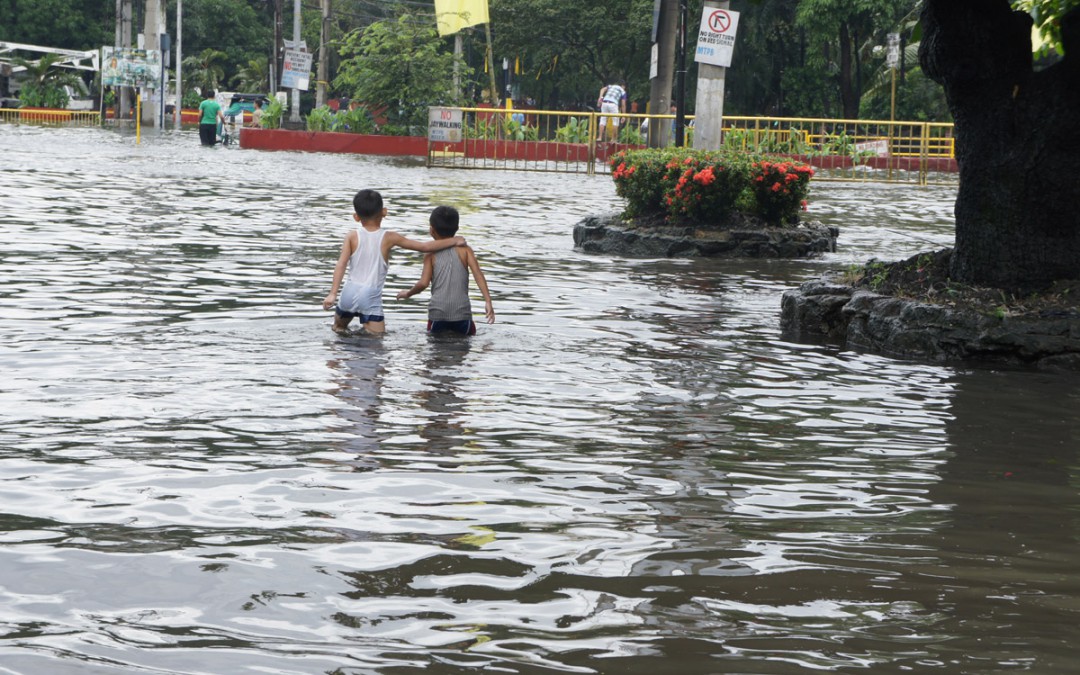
(209, 116)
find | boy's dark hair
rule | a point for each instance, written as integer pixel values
(367, 203)
(210, 93)
(444, 220)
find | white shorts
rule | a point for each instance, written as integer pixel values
(607, 107)
(358, 299)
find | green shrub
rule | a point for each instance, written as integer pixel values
(321, 119)
(706, 185)
(516, 131)
(629, 135)
(359, 120)
(780, 189)
(48, 95)
(272, 114)
(640, 179)
(574, 131)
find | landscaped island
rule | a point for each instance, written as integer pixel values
(683, 203)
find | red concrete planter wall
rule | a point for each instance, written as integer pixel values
(527, 151)
(331, 141)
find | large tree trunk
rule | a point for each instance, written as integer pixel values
(849, 101)
(1017, 143)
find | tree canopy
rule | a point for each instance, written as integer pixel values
(814, 58)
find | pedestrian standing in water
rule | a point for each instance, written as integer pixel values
(209, 116)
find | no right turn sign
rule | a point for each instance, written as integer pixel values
(716, 37)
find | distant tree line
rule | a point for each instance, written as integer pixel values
(793, 58)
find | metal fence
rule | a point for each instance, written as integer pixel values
(583, 142)
(81, 118)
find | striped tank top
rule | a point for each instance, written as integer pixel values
(449, 287)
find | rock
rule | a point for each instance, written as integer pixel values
(906, 328)
(612, 235)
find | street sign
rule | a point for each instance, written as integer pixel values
(296, 70)
(445, 125)
(716, 36)
(892, 54)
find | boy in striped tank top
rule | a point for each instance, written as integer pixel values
(447, 271)
(366, 255)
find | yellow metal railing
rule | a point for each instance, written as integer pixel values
(83, 118)
(542, 140)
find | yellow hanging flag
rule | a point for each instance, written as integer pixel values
(453, 15)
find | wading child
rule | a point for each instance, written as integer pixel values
(447, 271)
(366, 255)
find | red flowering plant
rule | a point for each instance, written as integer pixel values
(779, 188)
(638, 176)
(705, 186)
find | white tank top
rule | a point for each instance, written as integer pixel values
(363, 288)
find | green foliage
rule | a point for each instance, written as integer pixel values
(191, 99)
(1047, 16)
(58, 23)
(401, 63)
(516, 131)
(630, 135)
(45, 82)
(574, 131)
(357, 121)
(707, 187)
(641, 179)
(321, 119)
(570, 49)
(918, 99)
(390, 129)
(482, 129)
(205, 70)
(241, 29)
(272, 114)
(253, 78)
(36, 95)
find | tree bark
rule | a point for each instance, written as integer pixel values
(848, 101)
(1017, 143)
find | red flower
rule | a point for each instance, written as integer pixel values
(705, 176)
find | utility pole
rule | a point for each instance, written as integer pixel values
(294, 114)
(680, 76)
(275, 51)
(660, 87)
(123, 40)
(178, 108)
(709, 103)
(324, 56)
(153, 27)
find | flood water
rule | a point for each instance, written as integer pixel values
(630, 472)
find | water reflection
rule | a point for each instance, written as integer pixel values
(630, 472)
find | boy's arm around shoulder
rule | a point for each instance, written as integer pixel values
(394, 239)
(347, 248)
(481, 283)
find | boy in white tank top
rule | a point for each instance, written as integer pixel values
(448, 273)
(365, 253)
